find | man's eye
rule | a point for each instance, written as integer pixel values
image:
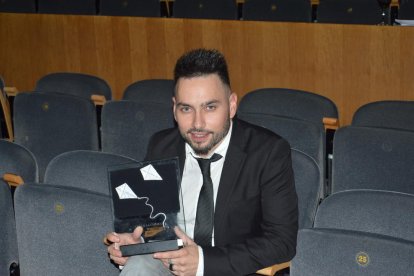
(185, 109)
(210, 107)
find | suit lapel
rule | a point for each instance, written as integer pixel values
(235, 158)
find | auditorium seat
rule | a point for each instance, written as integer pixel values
(307, 183)
(350, 12)
(78, 84)
(49, 124)
(158, 91)
(406, 9)
(373, 158)
(380, 212)
(277, 10)
(291, 103)
(205, 9)
(127, 126)
(18, 6)
(326, 252)
(60, 230)
(67, 6)
(145, 8)
(83, 169)
(386, 114)
(8, 243)
(17, 164)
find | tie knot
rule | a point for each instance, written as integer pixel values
(205, 163)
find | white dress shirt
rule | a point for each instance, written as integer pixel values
(191, 183)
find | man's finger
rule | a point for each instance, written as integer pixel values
(186, 239)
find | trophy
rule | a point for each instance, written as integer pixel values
(146, 194)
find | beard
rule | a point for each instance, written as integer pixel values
(217, 137)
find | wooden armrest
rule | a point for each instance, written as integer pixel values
(330, 123)
(271, 270)
(11, 91)
(98, 99)
(13, 179)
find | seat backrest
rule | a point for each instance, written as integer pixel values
(147, 8)
(63, 226)
(373, 158)
(205, 9)
(19, 6)
(381, 212)
(291, 103)
(49, 124)
(406, 9)
(158, 91)
(302, 135)
(17, 160)
(277, 10)
(386, 114)
(8, 242)
(307, 183)
(77, 84)
(67, 6)
(349, 11)
(83, 169)
(127, 126)
(328, 252)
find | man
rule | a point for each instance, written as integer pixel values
(255, 203)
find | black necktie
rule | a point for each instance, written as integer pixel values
(203, 229)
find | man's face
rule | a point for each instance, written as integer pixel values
(203, 107)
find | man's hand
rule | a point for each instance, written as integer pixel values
(183, 261)
(115, 240)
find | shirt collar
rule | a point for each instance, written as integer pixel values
(221, 149)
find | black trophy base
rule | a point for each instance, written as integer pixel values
(150, 247)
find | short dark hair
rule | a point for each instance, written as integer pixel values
(200, 62)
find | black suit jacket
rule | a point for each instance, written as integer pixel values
(256, 214)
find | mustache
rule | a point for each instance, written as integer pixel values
(192, 130)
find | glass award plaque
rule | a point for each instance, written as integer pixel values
(146, 194)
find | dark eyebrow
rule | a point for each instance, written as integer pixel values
(211, 102)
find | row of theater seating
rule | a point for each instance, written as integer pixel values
(63, 219)
(373, 153)
(326, 11)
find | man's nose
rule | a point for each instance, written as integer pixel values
(199, 121)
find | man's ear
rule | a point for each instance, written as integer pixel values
(174, 101)
(233, 104)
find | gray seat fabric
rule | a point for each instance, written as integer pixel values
(77, 84)
(60, 231)
(49, 124)
(158, 91)
(127, 126)
(291, 103)
(205, 9)
(381, 212)
(386, 114)
(301, 135)
(277, 10)
(307, 183)
(327, 252)
(373, 158)
(83, 169)
(18, 160)
(8, 242)
(147, 8)
(18, 6)
(67, 6)
(349, 12)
